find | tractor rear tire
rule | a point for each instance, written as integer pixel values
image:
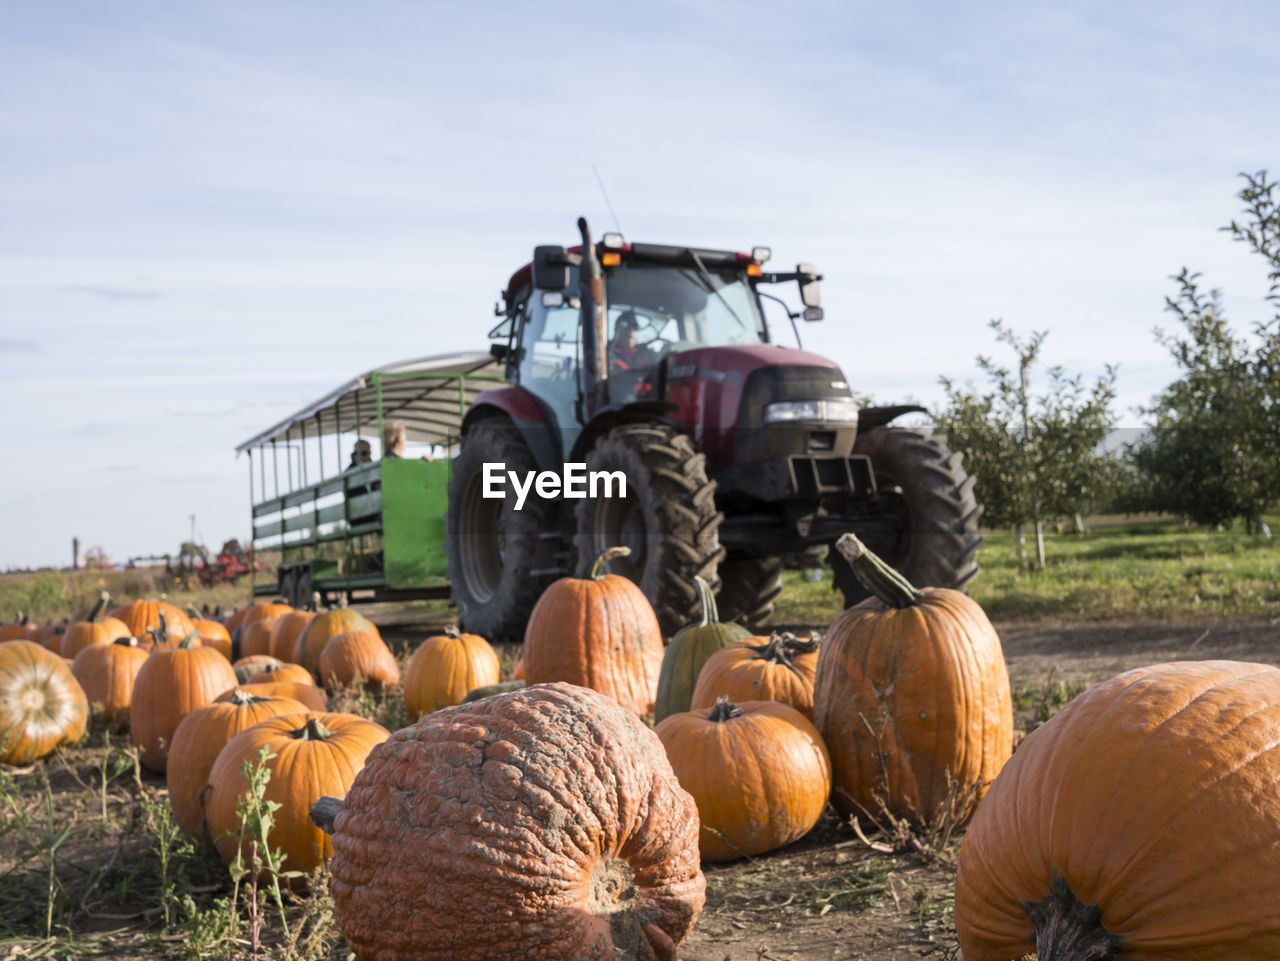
(749, 586)
(493, 549)
(922, 484)
(668, 518)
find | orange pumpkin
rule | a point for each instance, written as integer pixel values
(316, 754)
(23, 630)
(96, 629)
(552, 808)
(912, 697)
(142, 617)
(214, 634)
(308, 694)
(41, 703)
(445, 667)
(198, 739)
(255, 637)
(358, 654)
(294, 673)
(171, 684)
(758, 770)
(1141, 821)
(285, 633)
(310, 643)
(779, 669)
(597, 630)
(107, 673)
(51, 634)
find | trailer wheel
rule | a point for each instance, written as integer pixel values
(492, 548)
(749, 586)
(926, 498)
(668, 518)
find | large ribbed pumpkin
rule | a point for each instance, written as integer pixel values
(107, 673)
(255, 637)
(597, 630)
(285, 632)
(200, 736)
(758, 770)
(96, 629)
(445, 667)
(1141, 822)
(777, 668)
(41, 703)
(310, 643)
(689, 651)
(544, 823)
(142, 616)
(358, 656)
(171, 684)
(912, 697)
(317, 754)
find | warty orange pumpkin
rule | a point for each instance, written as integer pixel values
(543, 823)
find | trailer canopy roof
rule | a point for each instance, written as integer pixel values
(428, 395)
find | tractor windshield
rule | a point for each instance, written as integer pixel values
(678, 308)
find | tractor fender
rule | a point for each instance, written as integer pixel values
(611, 415)
(527, 415)
(872, 417)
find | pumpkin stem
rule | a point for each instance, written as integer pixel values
(877, 576)
(595, 569)
(452, 631)
(126, 641)
(160, 635)
(99, 607)
(239, 696)
(188, 640)
(1067, 930)
(709, 613)
(723, 709)
(313, 730)
(325, 811)
(783, 647)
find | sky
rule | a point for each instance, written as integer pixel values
(214, 213)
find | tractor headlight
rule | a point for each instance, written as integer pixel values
(821, 411)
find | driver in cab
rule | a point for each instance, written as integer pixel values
(624, 351)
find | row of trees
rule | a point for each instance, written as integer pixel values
(1212, 450)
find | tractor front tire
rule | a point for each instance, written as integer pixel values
(493, 549)
(924, 491)
(749, 586)
(668, 518)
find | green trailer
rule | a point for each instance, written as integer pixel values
(372, 531)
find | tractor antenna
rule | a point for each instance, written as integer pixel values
(617, 226)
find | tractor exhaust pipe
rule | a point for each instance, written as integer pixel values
(594, 328)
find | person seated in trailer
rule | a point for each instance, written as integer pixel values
(361, 454)
(394, 438)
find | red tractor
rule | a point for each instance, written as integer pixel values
(656, 362)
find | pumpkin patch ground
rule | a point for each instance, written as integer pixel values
(81, 836)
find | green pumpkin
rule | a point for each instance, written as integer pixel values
(491, 689)
(688, 651)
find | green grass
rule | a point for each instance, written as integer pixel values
(1146, 569)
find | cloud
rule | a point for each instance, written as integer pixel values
(14, 344)
(118, 294)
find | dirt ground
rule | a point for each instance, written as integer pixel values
(829, 896)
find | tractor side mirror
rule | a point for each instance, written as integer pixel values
(812, 313)
(550, 267)
(810, 292)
